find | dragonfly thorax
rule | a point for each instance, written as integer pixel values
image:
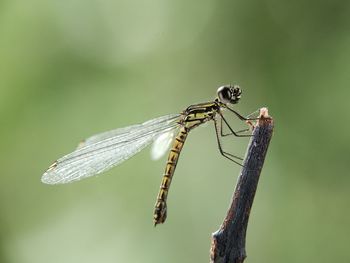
(198, 114)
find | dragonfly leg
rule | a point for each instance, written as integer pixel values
(256, 113)
(223, 153)
(235, 133)
(240, 116)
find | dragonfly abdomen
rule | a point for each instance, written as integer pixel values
(160, 210)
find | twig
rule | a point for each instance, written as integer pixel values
(228, 243)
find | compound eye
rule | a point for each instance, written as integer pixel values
(225, 94)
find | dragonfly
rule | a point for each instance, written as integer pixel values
(105, 150)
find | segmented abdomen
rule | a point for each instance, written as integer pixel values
(160, 212)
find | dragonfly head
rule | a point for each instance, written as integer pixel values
(229, 94)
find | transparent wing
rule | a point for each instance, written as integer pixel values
(161, 144)
(105, 135)
(106, 150)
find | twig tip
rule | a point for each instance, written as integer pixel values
(264, 113)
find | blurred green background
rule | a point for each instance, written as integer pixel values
(69, 69)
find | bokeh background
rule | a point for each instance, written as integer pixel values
(69, 69)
